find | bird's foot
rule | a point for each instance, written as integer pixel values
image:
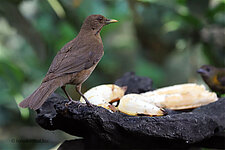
(70, 101)
(89, 104)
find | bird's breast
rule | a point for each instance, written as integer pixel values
(215, 80)
(80, 77)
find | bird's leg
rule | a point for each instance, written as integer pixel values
(67, 95)
(78, 89)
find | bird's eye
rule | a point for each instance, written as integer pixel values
(207, 69)
(100, 18)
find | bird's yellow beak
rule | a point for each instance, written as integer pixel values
(108, 21)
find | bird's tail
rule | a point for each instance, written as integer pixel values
(39, 96)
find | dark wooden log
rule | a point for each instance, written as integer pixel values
(200, 127)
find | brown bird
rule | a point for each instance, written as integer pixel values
(73, 64)
(213, 77)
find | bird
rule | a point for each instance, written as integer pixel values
(73, 64)
(214, 77)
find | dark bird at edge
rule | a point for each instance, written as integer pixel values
(73, 64)
(213, 77)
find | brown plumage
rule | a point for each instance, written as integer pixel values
(213, 77)
(73, 64)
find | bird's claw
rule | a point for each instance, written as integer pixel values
(71, 101)
(89, 104)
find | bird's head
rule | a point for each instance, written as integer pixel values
(207, 71)
(94, 23)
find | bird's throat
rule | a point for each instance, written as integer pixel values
(98, 31)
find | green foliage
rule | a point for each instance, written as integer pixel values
(148, 69)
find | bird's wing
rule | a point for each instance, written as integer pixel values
(222, 80)
(221, 76)
(74, 58)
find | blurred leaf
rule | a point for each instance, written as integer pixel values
(220, 8)
(145, 68)
(57, 8)
(12, 75)
(46, 26)
(66, 34)
(181, 2)
(24, 112)
(171, 26)
(192, 21)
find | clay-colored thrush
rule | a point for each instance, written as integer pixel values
(73, 64)
(213, 77)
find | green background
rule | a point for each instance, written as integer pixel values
(164, 40)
